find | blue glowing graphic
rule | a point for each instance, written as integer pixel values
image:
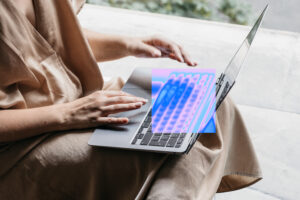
(183, 101)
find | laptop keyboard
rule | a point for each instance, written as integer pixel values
(175, 111)
(146, 137)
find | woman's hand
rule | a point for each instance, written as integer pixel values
(157, 46)
(94, 110)
(86, 112)
(111, 47)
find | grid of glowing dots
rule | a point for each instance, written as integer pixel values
(183, 101)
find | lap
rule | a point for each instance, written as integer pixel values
(64, 166)
(223, 161)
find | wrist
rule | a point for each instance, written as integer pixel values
(129, 45)
(60, 114)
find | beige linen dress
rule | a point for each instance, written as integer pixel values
(52, 64)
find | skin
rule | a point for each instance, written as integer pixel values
(95, 109)
(150, 47)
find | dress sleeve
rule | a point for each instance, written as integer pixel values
(77, 5)
(12, 71)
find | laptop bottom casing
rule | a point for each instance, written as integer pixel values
(122, 136)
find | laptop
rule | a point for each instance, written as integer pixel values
(138, 135)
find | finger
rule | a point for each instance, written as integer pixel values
(188, 62)
(125, 100)
(113, 93)
(171, 50)
(172, 56)
(187, 58)
(112, 120)
(176, 51)
(116, 108)
(168, 47)
(145, 50)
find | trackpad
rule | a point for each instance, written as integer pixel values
(120, 135)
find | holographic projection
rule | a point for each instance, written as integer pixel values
(183, 101)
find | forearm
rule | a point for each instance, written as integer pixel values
(24, 123)
(86, 112)
(106, 47)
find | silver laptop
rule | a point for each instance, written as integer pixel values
(138, 135)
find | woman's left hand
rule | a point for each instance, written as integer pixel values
(157, 46)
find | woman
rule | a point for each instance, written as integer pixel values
(52, 95)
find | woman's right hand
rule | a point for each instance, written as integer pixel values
(86, 112)
(94, 109)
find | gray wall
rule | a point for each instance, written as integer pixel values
(282, 14)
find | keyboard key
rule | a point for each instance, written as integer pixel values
(148, 119)
(171, 142)
(134, 140)
(162, 143)
(140, 136)
(175, 135)
(144, 130)
(180, 140)
(150, 130)
(165, 137)
(146, 138)
(154, 143)
(146, 124)
(141, 129)
(155, 138)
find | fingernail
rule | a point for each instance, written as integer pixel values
(157, 53)
(144, 100)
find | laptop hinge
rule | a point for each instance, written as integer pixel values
(193, 139)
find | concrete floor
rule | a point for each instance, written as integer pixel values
(266, 91)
